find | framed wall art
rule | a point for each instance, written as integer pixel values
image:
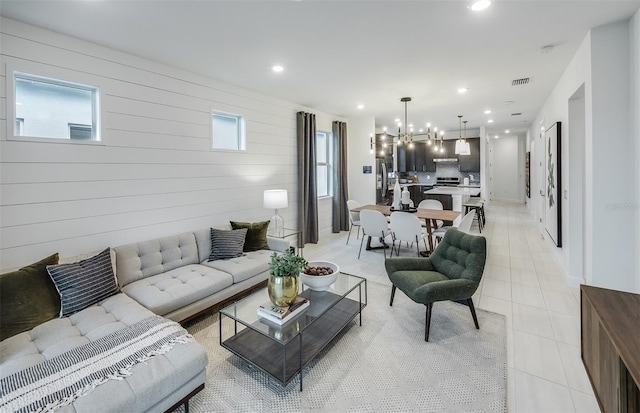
(553, 182)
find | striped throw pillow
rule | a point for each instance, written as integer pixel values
(83, 283)
(227, 244)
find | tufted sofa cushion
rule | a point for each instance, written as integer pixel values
(147, 258)
(245, 267)
(151, 381)
(174, 289)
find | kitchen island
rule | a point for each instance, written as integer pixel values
(459, 195)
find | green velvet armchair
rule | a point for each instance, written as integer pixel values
(452, 272)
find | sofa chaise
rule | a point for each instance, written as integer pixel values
(156, 283)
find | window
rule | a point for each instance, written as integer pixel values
(323, 163)
(77, 131)
(51, 108)
(227, 131)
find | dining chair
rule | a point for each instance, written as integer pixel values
(374, 224)
(407, 227)
(432, 204)
(354, 217)
(464, 226)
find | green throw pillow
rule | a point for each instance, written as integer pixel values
(256, 234)
(28, 298)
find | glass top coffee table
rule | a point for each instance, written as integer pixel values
(283, 351)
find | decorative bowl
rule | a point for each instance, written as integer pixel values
(403, 181)
(320, 282)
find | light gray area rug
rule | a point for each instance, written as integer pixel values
(383, 366)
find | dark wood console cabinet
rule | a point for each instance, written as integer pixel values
(610, 346)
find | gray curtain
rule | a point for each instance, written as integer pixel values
(307, 190)
(340, 188)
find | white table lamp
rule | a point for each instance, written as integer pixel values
(275, 199)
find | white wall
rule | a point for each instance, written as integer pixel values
(602, 64)
(634, 60)
(154, 175)
(362, 187)
(506, 170)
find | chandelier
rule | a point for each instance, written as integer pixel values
(406, 138)
(462, 146)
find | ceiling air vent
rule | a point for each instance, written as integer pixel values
(519, 82)
(516, 114)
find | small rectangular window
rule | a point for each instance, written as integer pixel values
(323, 163)
(51, 108)
(77, 131)
(227, 131)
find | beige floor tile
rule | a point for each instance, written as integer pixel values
(497, 272)
(532, 320)
(519, 263)
(584, 403)
(561, 302)
(524, 277)
(574, 370)
(498, 258)
(496, 289)
(566, 328)
(524, 294)
(536, 395)
(538, 356)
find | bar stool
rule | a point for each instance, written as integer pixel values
(476, 204)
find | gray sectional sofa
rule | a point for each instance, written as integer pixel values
(169, 277)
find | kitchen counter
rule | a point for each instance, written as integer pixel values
(454, 190)
(459, 195)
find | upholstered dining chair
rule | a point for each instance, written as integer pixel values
(354, 218)
(452, 272)
(407, 227)
(432, 204)
(374, 224)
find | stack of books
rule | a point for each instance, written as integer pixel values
(281, 315)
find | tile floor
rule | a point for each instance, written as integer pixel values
(524, 281)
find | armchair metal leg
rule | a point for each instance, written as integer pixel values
(361, 241)
(393, 294)
(473, 312)
(427, 321)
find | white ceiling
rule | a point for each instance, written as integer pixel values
(338, 54)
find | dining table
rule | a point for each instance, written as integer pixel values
(430, 216)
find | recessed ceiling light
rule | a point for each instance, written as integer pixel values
(360, 106)
(490, 121)
(480, 5)
(486, 112)
(496, 137)
(396, 120)
(507, 131)
(462, 90)
(277, 68)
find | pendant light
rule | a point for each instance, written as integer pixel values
(462, 146)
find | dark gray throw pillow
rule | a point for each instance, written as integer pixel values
(227, 244)
(84, 283)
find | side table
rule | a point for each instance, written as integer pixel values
(288, 232)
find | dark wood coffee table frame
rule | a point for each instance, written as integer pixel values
(284, 351)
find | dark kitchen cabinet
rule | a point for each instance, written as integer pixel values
(429, 165)
(471, 163)
(405, 158)
(449, 150)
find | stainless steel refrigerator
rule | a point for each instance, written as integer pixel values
(384, 173)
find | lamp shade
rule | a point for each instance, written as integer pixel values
(275, 199)
(462, 147)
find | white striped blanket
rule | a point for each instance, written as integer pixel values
(55, 383)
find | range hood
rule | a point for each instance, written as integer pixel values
(448, 160)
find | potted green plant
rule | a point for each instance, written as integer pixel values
(283, 277)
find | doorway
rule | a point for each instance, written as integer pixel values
(576, 199)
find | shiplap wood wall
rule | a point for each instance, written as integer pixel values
(154, 173)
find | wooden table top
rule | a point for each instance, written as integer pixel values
(442, 215)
